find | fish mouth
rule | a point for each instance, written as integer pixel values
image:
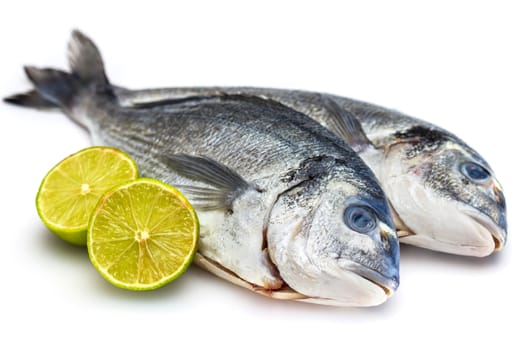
(458, 229)
(388, 284)
(498, 233)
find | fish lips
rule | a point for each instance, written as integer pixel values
(498, 231)
(388, 283)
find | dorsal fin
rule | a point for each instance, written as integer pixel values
(345, 125)
(225, 183)
(85, 59)
(173, 101)
(216, 96)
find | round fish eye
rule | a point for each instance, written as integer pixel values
(360, 219)
(475, 172)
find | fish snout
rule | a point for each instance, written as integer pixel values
(388, 283)
(499, 231)
(491, 221)
(391, 246)
(499, 196)
(492, 233)
(389, 290)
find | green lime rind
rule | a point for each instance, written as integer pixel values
(59, 203)
(142, 235)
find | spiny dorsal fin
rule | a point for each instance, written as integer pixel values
(345, 125)
(214, 96)
(173, 101)
(225, 183)
(85, 59)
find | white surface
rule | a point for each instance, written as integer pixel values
(460, 66)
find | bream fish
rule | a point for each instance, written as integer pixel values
(443, 194)
(287, 209)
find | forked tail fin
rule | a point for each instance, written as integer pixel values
(85, 60)
(30, 99)
(57, 88)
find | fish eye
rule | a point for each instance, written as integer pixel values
(360, 219)
(475, 172)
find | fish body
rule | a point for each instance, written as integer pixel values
(444, 196)
(286, 208)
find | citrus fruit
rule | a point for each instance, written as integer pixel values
(70, 191)
(142, 235)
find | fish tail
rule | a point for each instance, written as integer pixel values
(57, 88)
(85, 60)
(30, 99)
(53, 88)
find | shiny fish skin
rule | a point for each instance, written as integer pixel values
(272, 201)
(417, 163)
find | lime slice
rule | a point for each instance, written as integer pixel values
(142, 235)
(70, 191)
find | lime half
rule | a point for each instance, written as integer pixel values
(70, 191)
(142, 235)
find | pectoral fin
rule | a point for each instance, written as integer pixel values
(224, 184)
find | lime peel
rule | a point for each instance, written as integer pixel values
(71, 189)
(142, 235)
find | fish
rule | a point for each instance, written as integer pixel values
(444, 195)
(290, 212)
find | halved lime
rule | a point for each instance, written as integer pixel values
(70, 191)
(142, 235)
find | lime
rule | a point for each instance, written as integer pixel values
(70, 191)
(142, 235)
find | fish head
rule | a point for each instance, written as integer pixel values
(332, 238)
(445, 195)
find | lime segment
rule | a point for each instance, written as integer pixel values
(142, 235)
(70, 191)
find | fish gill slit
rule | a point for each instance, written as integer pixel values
(265, 251)
(264, 244)
(402, 229)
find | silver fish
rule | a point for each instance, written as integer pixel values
(443, 194)
(286, 208)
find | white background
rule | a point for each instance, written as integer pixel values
(459, 65)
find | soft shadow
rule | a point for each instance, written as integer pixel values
(195, 279)
(76, 255)
(307, 309)
(297, 308)
(50, 243)
(175, 290)
(415, 255)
